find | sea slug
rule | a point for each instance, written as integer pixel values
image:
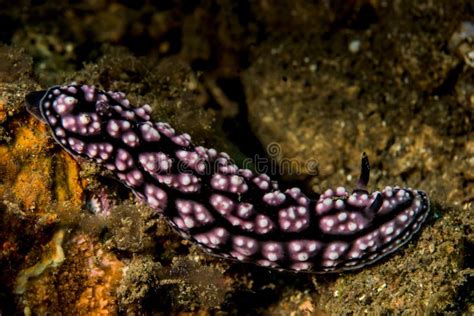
(229, 212)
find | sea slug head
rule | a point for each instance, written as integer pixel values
(368, 226)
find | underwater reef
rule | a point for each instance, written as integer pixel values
(325, 81)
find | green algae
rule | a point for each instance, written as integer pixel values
(53, 258)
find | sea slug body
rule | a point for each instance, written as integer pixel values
(230, 212)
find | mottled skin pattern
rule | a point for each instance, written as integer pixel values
(230, 212)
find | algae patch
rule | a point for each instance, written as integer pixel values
(53, 258)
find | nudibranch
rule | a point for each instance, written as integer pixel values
(229, 212)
